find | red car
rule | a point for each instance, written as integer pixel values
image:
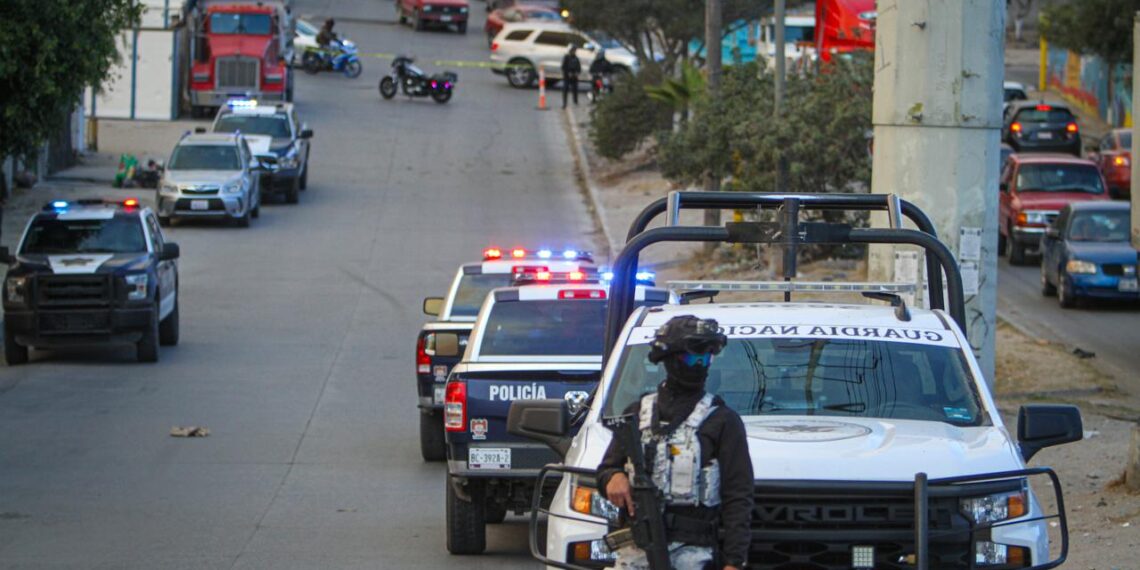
(424, 13)
(1114, 158)
(517, 13)
(1034, 188)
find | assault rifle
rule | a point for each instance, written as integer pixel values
(647, 527)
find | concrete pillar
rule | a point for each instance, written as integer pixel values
(937, 116)
(1135, 133)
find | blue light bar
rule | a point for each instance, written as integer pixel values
(59, 204)
(544, 253)
(242, 103)
(570, 254)
(608, 276)
(645, 276)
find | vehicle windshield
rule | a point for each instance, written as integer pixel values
(306, 29)
(276, 126)
(1034, 115)
(229, 23)
(1105, 226)
(1059, 178)
(545, 328)
(55, 236)
(1013, 94)
(1126, 140)
(823, 377)
(473, 290)
(204, 157)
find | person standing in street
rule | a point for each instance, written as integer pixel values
(696, 449)
(571, 69)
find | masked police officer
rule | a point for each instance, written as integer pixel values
(697, 450)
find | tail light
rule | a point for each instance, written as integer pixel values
(1043, 108)
(1071, 128)
(455, 406)
(582, 294)
(494, 46)
(423, 361)
(1015, 127)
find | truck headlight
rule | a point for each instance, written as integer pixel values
(994, 508)
(136, 286)
(988, 553)
(588, 501)
(289, 160)
(1076, 266)
(1032, 219)
(232, 188)
(15, 289)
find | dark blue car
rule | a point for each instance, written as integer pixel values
(1086, 253)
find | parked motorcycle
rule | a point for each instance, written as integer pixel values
(341, 56)
(415, 83)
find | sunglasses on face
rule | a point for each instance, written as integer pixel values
(691, 359)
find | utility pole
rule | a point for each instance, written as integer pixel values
(937, 118)
(781, 73)
(713, 31)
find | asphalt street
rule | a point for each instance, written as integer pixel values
(297, 345)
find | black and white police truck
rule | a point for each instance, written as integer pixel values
(874, 438)
(91, 272)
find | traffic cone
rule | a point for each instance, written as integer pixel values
(542, 89)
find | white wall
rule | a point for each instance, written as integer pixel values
(143, 85)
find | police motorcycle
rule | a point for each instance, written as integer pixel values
(341, 56)
(416, 83)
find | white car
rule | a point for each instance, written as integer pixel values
(304, 39)
(521, 49)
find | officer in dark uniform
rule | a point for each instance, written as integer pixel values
(697, 450)
(571, 68)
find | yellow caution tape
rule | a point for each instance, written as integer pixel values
(438, 62)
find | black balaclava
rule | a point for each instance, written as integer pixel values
(684, 378)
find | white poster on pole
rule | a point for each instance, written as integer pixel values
(970, 244)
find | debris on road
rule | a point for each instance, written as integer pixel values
(189, 431)
(1082, 353)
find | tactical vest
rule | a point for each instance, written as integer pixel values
(676, 465)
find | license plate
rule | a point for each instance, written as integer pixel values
(1128, 285)
(445, 18)
(488, 458)
(199, 204)
(439, 394)
(1045, 135)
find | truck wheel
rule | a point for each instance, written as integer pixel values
(400, 12)
(466, 520)
(305, 174)
(1001, 245)
(292, 195)
(462, 28)
(168, 328)
(432, 445)
(14, 354)
(289, 89)
(147, 346)
(418, 23)
(164, 221)
(1016, 252)
(496, 513)
(1047, 289)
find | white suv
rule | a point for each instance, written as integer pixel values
(521, 49)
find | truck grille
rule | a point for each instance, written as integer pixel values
(437, 9)
(74, 322)
(237, 73)
(74, 291)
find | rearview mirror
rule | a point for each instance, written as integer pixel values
(6, 257)
(446, 344)
(433, 306)
(306, 133)
(545, 421)
(1045, 425)
(170, 252)
(1052, 232)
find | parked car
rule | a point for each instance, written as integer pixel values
(1034, 188)
(424, 13)
(517, 13)
(519, 50)
(1041, 127)
(1113, 155)
(304, 39)
(1086, 253)
(1012, 91)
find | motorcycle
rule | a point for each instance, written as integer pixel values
(415, 83)
(341, 55)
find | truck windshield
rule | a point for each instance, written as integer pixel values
(823, 377)
(473, 290)
(276, 126)
(229, 23)
(545, 328)
(204, 157)
(114, 235)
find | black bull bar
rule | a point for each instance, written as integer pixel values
(924, 490)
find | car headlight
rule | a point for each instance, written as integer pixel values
(427, 8)
(990, 509)
(1076, 266)
(136, 286)
(232, 188)
(289, 160)
(588, 501)
(16, 289)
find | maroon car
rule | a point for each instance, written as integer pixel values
(517, 13)
(424, 13)
(1114, 158)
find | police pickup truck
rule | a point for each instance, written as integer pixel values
(529, 342)
(91, 272)
(455, 314)
(874, 438)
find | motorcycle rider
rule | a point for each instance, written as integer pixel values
(600, 71)
(325, 38)
(571, 68)
(697, 449)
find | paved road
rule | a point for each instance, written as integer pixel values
(296, 347)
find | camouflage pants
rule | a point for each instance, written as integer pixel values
(681, 557)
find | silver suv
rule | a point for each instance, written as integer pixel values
(213, 176)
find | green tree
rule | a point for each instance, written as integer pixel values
(622, 121)
(1093, 27)
(51, 51)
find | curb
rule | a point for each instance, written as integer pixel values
(587, 180)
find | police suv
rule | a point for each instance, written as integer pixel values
(91, 272)
(529, 342)
(213, 176)
(287, 155)
(455, 314)
(855, 414)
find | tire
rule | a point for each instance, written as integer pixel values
(462, 28)
(243, 221)
(353, 69)
(520, 74)
(417, 23)
(1001, 245)
(293, 194)
(466, 520)
(256, 212)
(168, 328)
(311, 63)
(387, 88)
(1065, 296)
(496, 513)
(305, 173)
(14, 354)
(292, 83)
(164, 221)
(1047, 289)
(147, 347)
(402, 16)
(1016, 251)
(441, 97)
(433, 447)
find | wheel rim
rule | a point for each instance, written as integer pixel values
(353, 69)
(519, 75)
(388, 87)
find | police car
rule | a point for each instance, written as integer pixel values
(537, 341)
(455, 314)
(855, 414)
(287, 154)
(213, 176)
(91, 272)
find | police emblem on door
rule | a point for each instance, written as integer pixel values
(576, 399)
(479, 428)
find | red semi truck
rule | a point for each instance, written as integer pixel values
(240, 48)
(843, 26)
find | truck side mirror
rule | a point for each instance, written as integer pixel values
(6, 256)
(1003, 187)
(170, 252)
(447, 344)
(306, 133)
(1045, 425)
(433, 306)
(545, 421)
(1053, 232)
